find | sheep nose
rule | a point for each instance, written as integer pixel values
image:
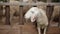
(25, 17)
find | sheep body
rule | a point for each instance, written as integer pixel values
(40, 16)
(42, 19)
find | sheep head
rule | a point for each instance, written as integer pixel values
(32, 14)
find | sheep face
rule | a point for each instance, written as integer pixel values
(32, 14)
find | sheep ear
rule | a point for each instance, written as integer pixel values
(33, 18)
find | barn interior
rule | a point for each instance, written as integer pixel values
(12, 19)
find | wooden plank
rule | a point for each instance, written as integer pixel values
(21, 15)
(4, 29)
(1, 10)
(25, 29)
(29, 29)
(7, 8)
(53, 30)
(59, 19)
(7, 29)
(1, 13)
(22, 3)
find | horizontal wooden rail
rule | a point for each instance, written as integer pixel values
(33, 4)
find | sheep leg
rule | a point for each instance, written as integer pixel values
(11, 16)
(39, 31)
(45, 30)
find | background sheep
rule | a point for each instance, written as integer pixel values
(15, 9)
(38, 15)
(55, 15)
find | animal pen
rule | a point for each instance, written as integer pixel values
(27, 28)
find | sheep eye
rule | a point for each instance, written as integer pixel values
(32, 11)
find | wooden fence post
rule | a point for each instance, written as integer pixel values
(49, 11)
(21, 15)
(1, 13)
(7, 8)
(59, 19)
(1, 10)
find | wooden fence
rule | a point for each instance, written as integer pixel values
(22, 29)
(49, 6)
(31, 4)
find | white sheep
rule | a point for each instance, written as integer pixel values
(38, 15)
